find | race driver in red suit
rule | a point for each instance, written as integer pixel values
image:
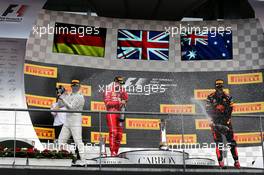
(115, 97)
(219, 107)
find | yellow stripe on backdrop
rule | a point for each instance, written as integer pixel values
(250, 107)
(202, 124)
(41, 71)
(45, 133)
(40, 101)
(177, 139)
(85, 89)
(177, 108)
(95, 137)
(248, 138)
(97, 106)
(248, 78)
(79, 49)
(86, 121)
(144, 124)
(202, 94)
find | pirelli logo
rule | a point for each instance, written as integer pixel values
(177, 138)
(40, 101)
(254, 107)
(42, 71)
(202, 94)
(178, 109)
(86, 121)
(97, 106)
(95, 137)
(45, 133)
(245, 78)
(139, 123)
(248, 138)
(202, 124)
(85, 89)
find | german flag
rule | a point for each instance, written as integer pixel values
(79, 40)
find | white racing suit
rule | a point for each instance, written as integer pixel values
(73, 123)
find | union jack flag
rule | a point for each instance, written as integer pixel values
(143, 45)
(193, 39)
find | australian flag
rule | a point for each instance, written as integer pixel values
(207, 46)
(143, 45)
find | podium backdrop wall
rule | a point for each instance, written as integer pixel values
(248, 45)
(184, 81)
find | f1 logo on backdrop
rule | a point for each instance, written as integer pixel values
(143, 86)
(135, 81)
(19, 10)
(13, 13)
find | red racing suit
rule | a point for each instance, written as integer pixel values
(112, 99)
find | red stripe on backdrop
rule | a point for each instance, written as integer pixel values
(77, 39)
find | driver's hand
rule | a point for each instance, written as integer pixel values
(57, 108)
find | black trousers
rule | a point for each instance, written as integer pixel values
(230, 139)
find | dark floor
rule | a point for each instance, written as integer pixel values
(125, 169)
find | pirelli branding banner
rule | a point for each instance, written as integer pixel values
(202, 124)
(239, 108)
(145, 124)
(248, 138)
(95, 137)
(202, 94)
(178, 139)
(86, 121)
(243, 108)
(247, 78)
(85, 89)
(45, 133)
(165, 92)
(42, 71)
(241, 138)
(177, 109)
(40, 101)
(97, 106)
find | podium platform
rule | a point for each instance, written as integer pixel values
(112, 160)
(155, 157)
(200, 161)
(140, 162)
(116, 169)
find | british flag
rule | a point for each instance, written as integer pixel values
(193, 39)
(143, 45)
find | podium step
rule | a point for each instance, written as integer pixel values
(155, 157)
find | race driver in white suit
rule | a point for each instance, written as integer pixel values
(73, 124)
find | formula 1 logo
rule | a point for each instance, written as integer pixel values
(134, 81)
(13, 13)
(141, 86)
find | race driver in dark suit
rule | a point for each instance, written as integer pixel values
(219, 107)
